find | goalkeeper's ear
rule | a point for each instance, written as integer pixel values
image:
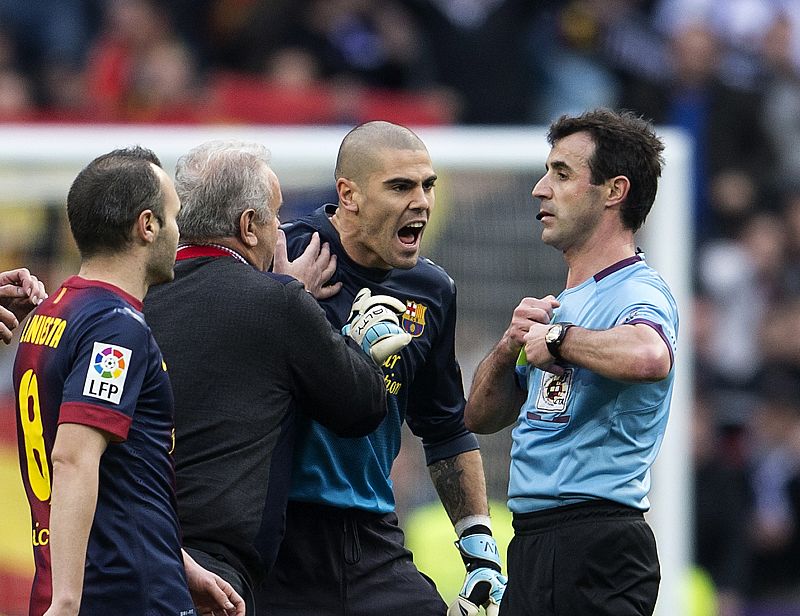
(347, 190)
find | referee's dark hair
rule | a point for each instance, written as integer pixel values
(108, 195)
(625, 144)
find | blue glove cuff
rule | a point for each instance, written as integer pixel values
(479, 546)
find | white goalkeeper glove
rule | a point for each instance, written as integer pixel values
(485, 584)
(374, 324)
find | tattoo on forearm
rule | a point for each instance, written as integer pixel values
(447, 477)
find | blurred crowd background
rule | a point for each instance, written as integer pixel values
(725, 71)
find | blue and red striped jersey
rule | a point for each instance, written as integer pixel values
(86, 356)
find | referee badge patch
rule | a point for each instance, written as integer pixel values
(551, 401)
(108, 369)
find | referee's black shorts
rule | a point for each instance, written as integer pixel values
(591, 559)
(345, 562)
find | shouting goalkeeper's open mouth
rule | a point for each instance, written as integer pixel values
(410, 235)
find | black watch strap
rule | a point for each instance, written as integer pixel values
(555, 337)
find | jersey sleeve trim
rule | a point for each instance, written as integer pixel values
(441, 451)
(115, 423)
(660, 331)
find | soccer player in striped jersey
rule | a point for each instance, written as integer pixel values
(94, 412)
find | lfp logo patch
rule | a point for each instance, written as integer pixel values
(414, 318)
(108, 368)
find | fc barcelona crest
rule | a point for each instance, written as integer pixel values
(414, 318)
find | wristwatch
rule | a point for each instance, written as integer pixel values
(555, 337)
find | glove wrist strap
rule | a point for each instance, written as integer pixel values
(472, 520)
(479, 547)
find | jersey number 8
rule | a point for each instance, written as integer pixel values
(31, 418)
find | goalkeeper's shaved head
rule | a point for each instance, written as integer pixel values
(358, 152)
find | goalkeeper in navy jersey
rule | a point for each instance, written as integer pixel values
(343, 551)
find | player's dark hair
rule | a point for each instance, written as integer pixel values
(108, 195)
(625, 144)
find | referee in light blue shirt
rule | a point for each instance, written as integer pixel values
(588, 378)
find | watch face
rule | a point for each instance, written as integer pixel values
(553, 333)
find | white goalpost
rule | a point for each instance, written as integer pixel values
(482, 171)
